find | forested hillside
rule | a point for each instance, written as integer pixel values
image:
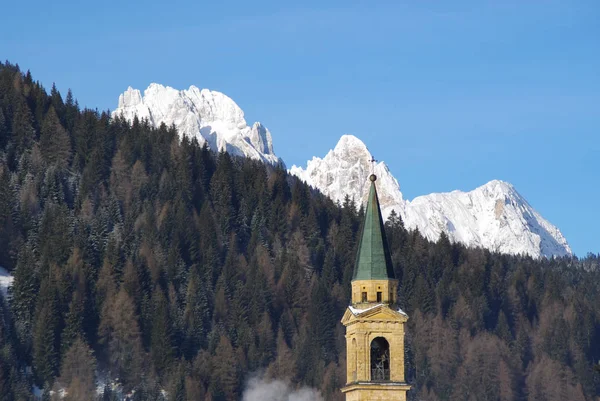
(150, 261)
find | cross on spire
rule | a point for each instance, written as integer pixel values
(373, 161)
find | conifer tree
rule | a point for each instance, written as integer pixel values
(8, 230)
(4, 133)
(196, 315)
(6, 393)
(54, 141)
(23, 132)
(120, 334)
(78, 371)
(73, 321)
(56, 101)
(161, 338)
(24, 292)
(225, 377)
(71, 111)
(45, 336)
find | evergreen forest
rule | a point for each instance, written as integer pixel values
(147, 260)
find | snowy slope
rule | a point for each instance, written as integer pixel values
(207, 115)
(493, 216)
(6, 281)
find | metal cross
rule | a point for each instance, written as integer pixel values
(373, 161)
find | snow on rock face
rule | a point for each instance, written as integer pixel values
(207, 115)
(494, 216)
(345, 171)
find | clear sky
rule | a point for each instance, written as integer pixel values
(451, 94)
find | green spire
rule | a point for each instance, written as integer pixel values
(373, 260)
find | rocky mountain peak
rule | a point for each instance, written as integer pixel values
(494, 216)
(209, 116)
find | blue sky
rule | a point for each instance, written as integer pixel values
(449, 94)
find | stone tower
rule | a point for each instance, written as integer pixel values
(374, 324)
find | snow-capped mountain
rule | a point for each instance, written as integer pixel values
(494, 216)
(345, 171)
(207, 115)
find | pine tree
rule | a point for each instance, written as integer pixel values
(321, 319)
(161, 338)
(503, 329)
(54, 141)
(283, 365)
(4, 132)
(8, 231)
(265, 340)
(56, 100)
(23, 132)
(225, 376)
(73, 321)
(196, 315)
(71, 111)
(78, 371)
(24, 292)
(222, 194)
(120, 334)
(45, 337)
(6, 393)
(55, 234)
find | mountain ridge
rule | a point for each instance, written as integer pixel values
(209, 116)
(494, 215)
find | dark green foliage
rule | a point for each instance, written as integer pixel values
(23, 133)
(161, 337)
(170, 267)
(46, 355)
(9, 233)
(55, 143)
(24, 294)
(3, 130)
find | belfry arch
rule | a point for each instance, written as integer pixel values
(380, 359)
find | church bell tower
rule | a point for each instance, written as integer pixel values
(374, 323)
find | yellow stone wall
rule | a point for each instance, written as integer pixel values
(376, 393)
(359, 336)
(361, 329)
(388, 288)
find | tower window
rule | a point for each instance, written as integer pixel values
(364, 297)
(380, 359)
(379, 296)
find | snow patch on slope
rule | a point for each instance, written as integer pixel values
(207, 115)
(6, 280)
(494, 216)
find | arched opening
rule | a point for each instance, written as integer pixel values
(380, 359)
